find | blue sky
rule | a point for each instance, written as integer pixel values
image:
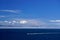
(30, 9)
(49, 9)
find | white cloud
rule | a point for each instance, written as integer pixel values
(23, 21)
(12, 11)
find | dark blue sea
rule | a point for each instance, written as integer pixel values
(29, 34)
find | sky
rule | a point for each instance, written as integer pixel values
(46, 10)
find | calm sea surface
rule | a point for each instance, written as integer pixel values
(29, 34)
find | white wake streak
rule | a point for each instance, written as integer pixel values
(42, 33)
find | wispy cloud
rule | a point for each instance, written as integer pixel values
(12, 11)
(2, 16)
(54, 20)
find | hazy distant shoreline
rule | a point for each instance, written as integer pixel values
(29, 28)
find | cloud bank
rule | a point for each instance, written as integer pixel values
(23, 23)
(30, 23)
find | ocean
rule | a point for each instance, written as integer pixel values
(29, 34)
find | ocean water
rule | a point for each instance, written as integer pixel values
(29, 34)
